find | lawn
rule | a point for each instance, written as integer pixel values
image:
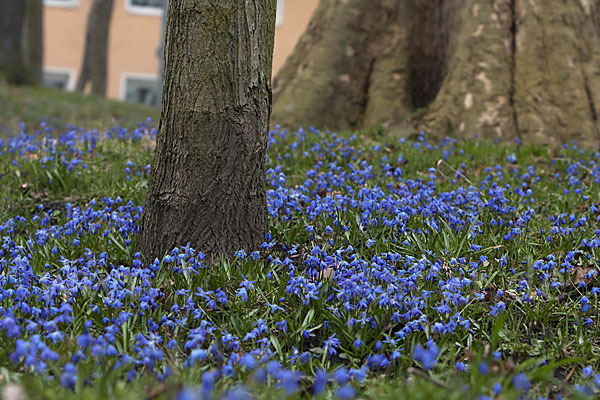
(33, 105)
(414, 269)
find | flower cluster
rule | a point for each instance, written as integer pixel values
(379, 258)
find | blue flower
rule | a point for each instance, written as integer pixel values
(331, 345)
(305, 357)
(341, 375)
(521, 382)
(320, 382)
(585, 389)
(359, 374)
(247, 361)
(282, 325)
(496, 389)
(585, 306)
(289, 381)
(188, 394)
(69, 376)
(260, 375)
(11, 327)
(208, 384)
(345, 392)
(426, 356)
(274, 369)
(196, 355)
(237, 393)
(241, 254)
(499, 307)
(85, 340)
(242, 293)
(483, 368)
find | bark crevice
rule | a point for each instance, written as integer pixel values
(513, 65)
(365, 93)
(591, 103)
(590, 97)
(428, 51)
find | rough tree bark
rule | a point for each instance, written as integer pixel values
(161, 55)
(94, 66)
(207, 182)
(21, 46)
(501, 68)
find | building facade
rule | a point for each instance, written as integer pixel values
(134, 42)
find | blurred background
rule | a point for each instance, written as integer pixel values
(134, 43)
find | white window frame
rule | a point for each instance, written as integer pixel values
(279, 13)
(63, 70)
(146, 11)
(133, 75)
(62, 4)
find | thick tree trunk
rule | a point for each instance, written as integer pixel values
(500, 68)
(94, 65)
(207, 183)
(21, 46)
(344, 59)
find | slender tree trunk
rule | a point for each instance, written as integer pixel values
(33, 40)
(207, 183)
(94, 65)
(21, 48)
(500, 68)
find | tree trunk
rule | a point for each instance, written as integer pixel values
(503, 69)
(161, 55)
(95, 56)
(347, 52)
(21, 47)
(207, 182)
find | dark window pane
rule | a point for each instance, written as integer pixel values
(56, 80)
(147, 3)
(141, 91)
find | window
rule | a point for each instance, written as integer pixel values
(147, 3)
(279, 14)
(140, 89)
(145, 7)
(61, 3)
(59, 78)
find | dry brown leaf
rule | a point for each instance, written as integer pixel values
(327, 273)
(581, 272)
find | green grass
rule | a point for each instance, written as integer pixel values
(33, 105)
(542, 334)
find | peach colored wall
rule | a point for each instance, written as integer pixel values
(296, 14)
(134, 39)
(64, 35)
